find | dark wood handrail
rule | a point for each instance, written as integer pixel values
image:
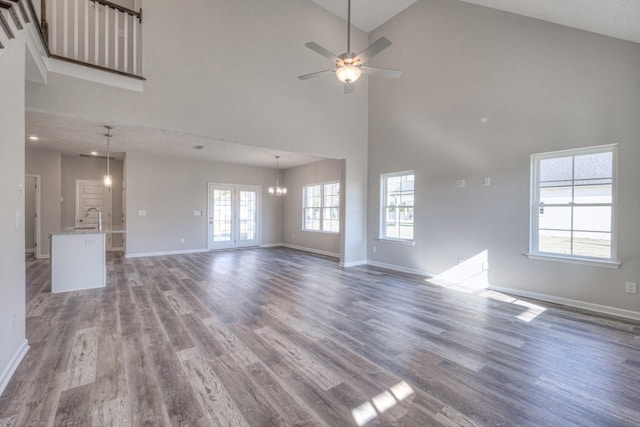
(120, 8)
(42, 27)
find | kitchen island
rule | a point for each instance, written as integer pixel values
(78, 260)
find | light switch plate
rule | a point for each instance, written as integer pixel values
(142, 213)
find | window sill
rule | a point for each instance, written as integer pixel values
(335, 233)
(573, 260)
(402, 242)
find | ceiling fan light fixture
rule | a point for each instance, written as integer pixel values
(348, 73)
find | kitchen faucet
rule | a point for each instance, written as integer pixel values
(86, 214)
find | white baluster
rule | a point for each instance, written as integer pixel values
(106, 36)
(116, 35)
(75, 29)
(65, 28)
(54, 26)
(126, 42)
(135, 45)
(86, 30)
(96, 27)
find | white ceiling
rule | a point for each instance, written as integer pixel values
(614, 18)
(75, 136)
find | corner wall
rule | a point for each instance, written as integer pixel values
(295, 179)
(539, 87)
(13, 342)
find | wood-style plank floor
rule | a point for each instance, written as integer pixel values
(276, 337)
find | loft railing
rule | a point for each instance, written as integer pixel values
(94, 33)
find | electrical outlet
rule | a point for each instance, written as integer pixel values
(13, 321)
(182, 240)
(486, 181)
(456, 183)
(460, 260)
(374, 249)
(293, 236)
(631, 287)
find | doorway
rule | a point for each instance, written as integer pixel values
(234, 212)
(32, 214)
(93, 194)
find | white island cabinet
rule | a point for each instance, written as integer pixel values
(78, 261)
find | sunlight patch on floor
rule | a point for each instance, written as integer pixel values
(472, 276)
(369, 410)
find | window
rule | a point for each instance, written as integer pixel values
(573, 203)
(396, 218)
(321, 207)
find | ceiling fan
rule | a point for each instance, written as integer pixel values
(349, 66)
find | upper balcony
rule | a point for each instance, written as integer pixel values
(94, 40)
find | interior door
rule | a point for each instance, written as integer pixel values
(93, 194)
(233, 216)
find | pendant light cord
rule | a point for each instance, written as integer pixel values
(349, 28)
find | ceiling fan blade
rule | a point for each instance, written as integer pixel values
(383, 72)
(322, 51)
(349, 88)
(374, 48)
(316, 74)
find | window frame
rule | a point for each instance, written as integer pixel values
(534, 223)
(321, 207)
(383, 206)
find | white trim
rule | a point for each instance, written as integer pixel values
(43, 256)
(13, 365)
(271, 245)
(576, 260)
(38, 248)
(598, 308)
(382, 222)
(163, 253)
(30, 251)
(353, 263)
(400, 268)
(315, 251)
(321, 207)
(400, 241)
(93, 75)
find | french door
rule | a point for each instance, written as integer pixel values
(234, 212)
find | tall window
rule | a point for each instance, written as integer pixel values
(397, 206)
(321, 207)
(573, 203)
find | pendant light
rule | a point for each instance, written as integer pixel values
(277, 190)
(108, 179)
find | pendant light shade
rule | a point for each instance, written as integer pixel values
(108, 179)
(277, 190)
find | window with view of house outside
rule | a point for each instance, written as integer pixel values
(321, 207)
(397, 201)
(573, 203)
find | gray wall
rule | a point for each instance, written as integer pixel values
(171, 189)
(12, 263)
(542, 87)
(193, 90)
(295, 179)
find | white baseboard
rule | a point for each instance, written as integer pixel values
(598, 308)
(313, 251)
(400, 268)
(163, 253)
(13, 365)
(271, 245)
(353, 263)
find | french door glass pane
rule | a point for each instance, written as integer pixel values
(222, 215)
(248, 215)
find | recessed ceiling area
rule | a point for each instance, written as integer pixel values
(76, 136)
(614, 18)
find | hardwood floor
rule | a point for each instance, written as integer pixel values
(269, 337)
